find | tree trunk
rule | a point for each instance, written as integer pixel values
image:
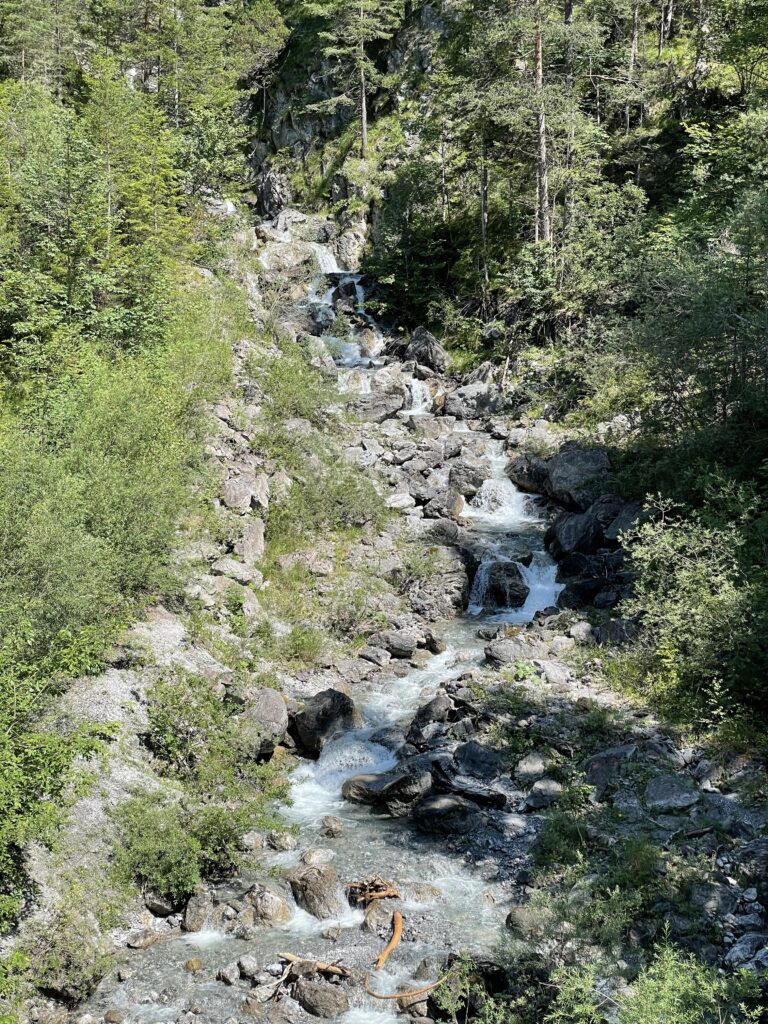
(665, 23)
(484, 208)
(542, 174)
(363, 103)
(633, 50)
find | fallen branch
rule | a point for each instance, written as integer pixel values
(321, 966)
(405, 995)
(373, 888)
(397, 934)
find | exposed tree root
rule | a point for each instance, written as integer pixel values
(397, 934)
(321, 966)
(404, 995)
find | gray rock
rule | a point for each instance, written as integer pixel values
(238, 571)
(249, 966)
(505, 587)
(446, 503)
(510, 650)
(323, 717)
(251, 544)
(321, 999)
(670, 793)
(376, 655)
(264, 723)
(576, 476)
(399, 643)
(378, 406)
(747, 948)
(574, 532)
(246, 491)
(230, 974)
(198, 911)
(316, 890)
(473, 758)
(471, 401)
(467, 477)
(332, 827)
(446, 814)
(268, 907)
(529, 473)
(543, 793)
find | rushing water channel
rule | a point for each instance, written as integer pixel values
(450, 904)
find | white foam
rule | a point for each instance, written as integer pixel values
(206, 938)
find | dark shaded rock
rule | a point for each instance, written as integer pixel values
(475, 758)
(506, 587)
(323, 717)
(445, 504)
(667, 794)
(529, 472)
(576, 476)
(426, 350)
(543, 793)
(446, 814)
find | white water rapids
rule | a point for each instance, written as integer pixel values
(450, 904)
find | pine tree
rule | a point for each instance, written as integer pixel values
(352, 26)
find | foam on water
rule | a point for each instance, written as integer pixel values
(207, 938)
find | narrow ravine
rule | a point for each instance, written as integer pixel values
(456, 851)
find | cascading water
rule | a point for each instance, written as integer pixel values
(450, 904)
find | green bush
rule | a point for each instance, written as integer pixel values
(155, 848)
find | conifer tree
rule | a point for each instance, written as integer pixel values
(352, 26)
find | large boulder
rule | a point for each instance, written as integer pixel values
(446, 814)
(426, 350)
(245, 491)
(505, 587)
(268, 907)
(471, 401)
(509, 650)
(573, 532)
(251, 544)
(577, 476)
(467, 476)
(323, 717)
(397, 790)
(446, 504)
(528, 472)
(264, 723)
(321, 999)
(378, 406)
(274, 192)
(316, 889)
(399, 643)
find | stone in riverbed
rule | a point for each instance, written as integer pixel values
(321, 999)
(323, 717)
(332, 827)
(467, 476)
(667, 794)
(399, 643)
(316, 890)
(230, 974)
(143, 939)
(378, 406)
(268, 907)
(445, 814)
(506, 587)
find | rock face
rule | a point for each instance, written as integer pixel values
(316, 890)
(324, 716)
(321, 999)
(251, 543)
(264, 723)
(274, 192)
(575, 477)
(426, 350)
(245, 491)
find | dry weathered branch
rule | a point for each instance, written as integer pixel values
(397, 934)
(320, 965)
(370, 889)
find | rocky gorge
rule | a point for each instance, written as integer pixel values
(463, 749)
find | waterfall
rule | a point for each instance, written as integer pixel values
(326, 261)
(421, 397)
